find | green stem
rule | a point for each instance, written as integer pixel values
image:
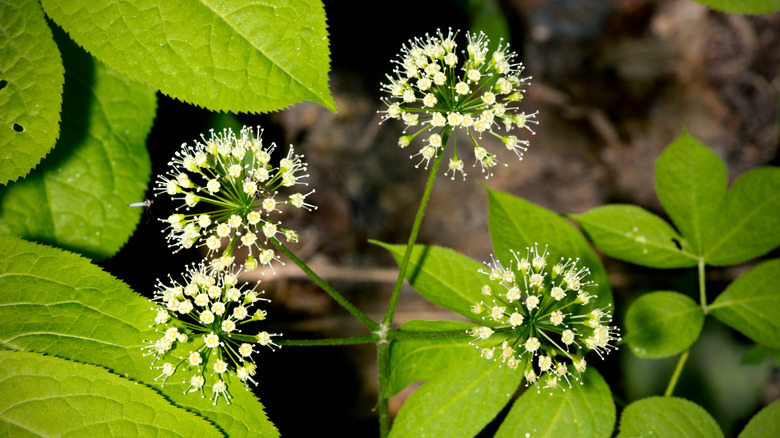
(357, 313)
(383, 361)
(676, 375)
(702, 287)
(415, 230)
(369, 339)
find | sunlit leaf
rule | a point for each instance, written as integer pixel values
(238, 56)
(662, 324)
(585, 410)
(751, 304)
(47, 396)
(31, 78)
(59, 304)
(667, 416)
(749, 219)
(77, 199)
(633, 234)
(691, 182)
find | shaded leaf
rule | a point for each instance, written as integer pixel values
(239, 56)
(516, 224)
(662, 324)
(759, 353)
(59, 304)
(667, 416)
(47, 396)
(751, 304)
(749, 219)
(443, 276)
(691, 182)
(31, 78)
(765, 423)
(583, 411)
(77, 199)
(413, 360)
(633, 234)
(459, 402)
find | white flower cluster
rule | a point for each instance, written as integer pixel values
(230, 191)
(434, 90)
(201, 322)
(539, 319)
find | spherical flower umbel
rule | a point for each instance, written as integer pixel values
(230, 191)
(549, 325)
(435, 93)
(201, 331)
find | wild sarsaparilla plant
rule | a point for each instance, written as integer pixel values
(532, 320)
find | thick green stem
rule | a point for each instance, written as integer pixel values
(676, 375)
(702, 287)
(357, 313)
(369, 339)
(415, 230)
(383, 360)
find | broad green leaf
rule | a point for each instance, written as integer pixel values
(31, 78)
(238, 56)
(443, 276)
(516, 224)
(751, 304)
(633, 234)
(667, 416)
(691, 182)
(662, 324)
(743, 6)
(749, 219)
(765, 423)
(77, 199)
(47, 396)
(585, 410)
(459, 402)
(413, 360)
(59, 304)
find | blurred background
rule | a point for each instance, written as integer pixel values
(614, 82)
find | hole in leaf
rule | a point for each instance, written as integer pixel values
(677, 243)
(3, 83)
(18, 127)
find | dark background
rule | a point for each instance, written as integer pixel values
(614, 83)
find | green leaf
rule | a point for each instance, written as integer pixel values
(443, 276)
(691, 182)
(459, 402)
(47, 396)
(749, 219)
(584, 410)
(765, 423)
(667, 416)
(662, 324)
(486, 17)
(751, 304)
(633, 234)
(31, 78)
(238, 56)
(516, 224)
(759, 353)
(743, 6)
(77, 199)
(413, 360)
(59, 304)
